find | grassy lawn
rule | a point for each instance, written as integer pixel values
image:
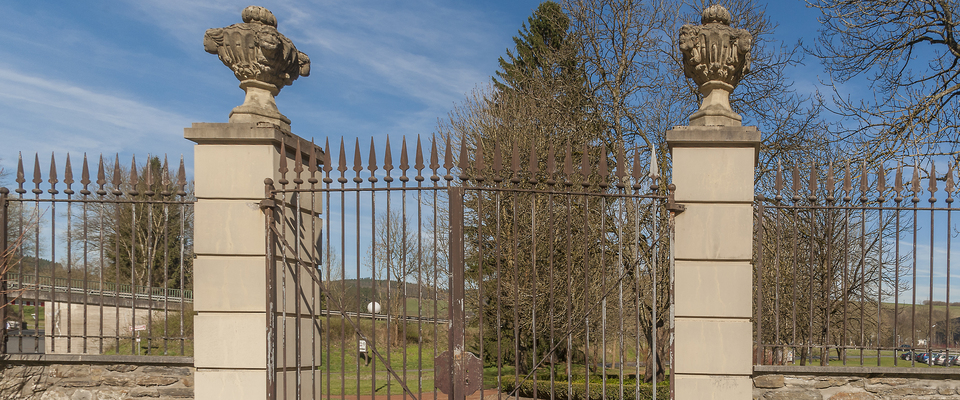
(348, 370)
(887, 359)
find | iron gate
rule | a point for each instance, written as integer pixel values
(503, 274)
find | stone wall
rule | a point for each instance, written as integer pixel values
(833, 383)
(95, 377)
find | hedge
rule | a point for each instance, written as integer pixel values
(508, 384)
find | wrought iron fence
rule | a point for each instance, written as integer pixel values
(537, 275)
(99, 265)
(851, 270)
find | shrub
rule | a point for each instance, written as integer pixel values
(561, 389)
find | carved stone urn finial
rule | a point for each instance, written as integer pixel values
(262, 59)
(715, 56)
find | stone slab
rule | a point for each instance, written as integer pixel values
(230, 340)
(713, 346)
(713, 289)
(230, 384)
(715, 232)
(713, 174)
(698, 387)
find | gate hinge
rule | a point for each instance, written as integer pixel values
(672, 204)
(267, 203)
(677, 208)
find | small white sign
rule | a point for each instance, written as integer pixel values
(139, 328)
(363, 346)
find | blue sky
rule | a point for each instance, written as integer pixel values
(127, 76)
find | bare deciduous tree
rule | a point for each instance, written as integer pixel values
(908, 53)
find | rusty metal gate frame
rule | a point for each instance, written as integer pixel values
(278, 247)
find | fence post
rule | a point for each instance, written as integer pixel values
(5, 258)
(231, 161)
(713, 170)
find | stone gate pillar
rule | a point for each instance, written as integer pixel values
(713, 169)
(231, 162)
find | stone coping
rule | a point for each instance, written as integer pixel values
(868, 372)
(94, 359)
(236, 133)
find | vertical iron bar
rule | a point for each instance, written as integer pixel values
(5, 257)
(271, 288)
(456, 292)
(759, 286)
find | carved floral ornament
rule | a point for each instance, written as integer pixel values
(262, 59)
(715, 56)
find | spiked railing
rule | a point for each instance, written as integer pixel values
(570, 242)
(115, 227)
(476, 166)
(853, 269)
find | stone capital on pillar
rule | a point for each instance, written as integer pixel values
(714, 161)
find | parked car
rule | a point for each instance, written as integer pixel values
(922, 357)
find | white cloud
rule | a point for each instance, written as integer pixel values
(46, 115)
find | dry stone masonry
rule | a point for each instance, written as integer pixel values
(818, 387)
(44, 381)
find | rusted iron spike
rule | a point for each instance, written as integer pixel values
(933, 183)
(181, 179)
(479, 164)
(847, 182)
(68, 176)
(134, 181)
(434, 160)
(404, 160)
(464, 161)
(37, 179)
(85, 176)
(796, 184)
(148, 178)
(654, 170)
(864, 184)
(448, 159)
(387, 160)
(357, 162)
(312, 161)
(53, 175)
(298, 165)
(551, 164)
(831, 185)
(117, 181)
(621, 171)
(603, 170)
(165, 177)
(950, 184)
(812, 183)
(584, 167)
(568, 165)
(327, 162)
(312, 164)
(515, 163)
(915, 183)
(881, 183)
(283, 163)
(778, 182)
(101, 177)
(533, 165)
(898, 183)
(418, 161)
(372, 166)
(20, 175)
(637, 174)
(497, 162)
(343, 163)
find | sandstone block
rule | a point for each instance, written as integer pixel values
(768, 381)
(156, 380)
